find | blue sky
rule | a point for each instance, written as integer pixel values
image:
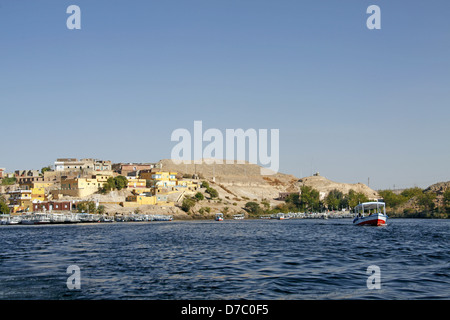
(350, 102)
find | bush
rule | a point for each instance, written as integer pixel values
(199, 196)
(119, 183)
(205, 184)
(187, 204)
(101, 209)
(253, 208)
(8, 181)
(4, 209)
(212, 192)
(87, 207)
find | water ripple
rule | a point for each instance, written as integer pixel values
(292, 259)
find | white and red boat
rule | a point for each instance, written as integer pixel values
(370, 214)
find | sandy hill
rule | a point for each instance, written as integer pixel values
(322, 184)
(245, 180)
(238, 180)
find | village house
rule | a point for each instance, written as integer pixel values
(50, 206)
(147, 199)
(81, 187)
(20, 200)
(68, 164)
(188, 184)
(131, 169)
(136, 183)
(160, 179)
(284, 195)
(27, 176)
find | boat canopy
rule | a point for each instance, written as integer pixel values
(370, 205)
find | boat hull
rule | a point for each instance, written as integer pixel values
(377, 219)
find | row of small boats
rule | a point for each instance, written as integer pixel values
(69, 218)
(366, 214)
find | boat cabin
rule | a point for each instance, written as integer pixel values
(370, 208)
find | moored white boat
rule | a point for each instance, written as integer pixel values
(8, 220)
(13, 220)
(281, 216)
(162, 217)
(35, 218)
(219, 216)
(370, 214)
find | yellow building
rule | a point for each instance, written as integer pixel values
(161, 179)
(38, 184)
(37, 189)
(20, 200)
(145, 199)
(188, 184)
(81, 187)
(134, 183)
(38, 194)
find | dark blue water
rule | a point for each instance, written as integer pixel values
(247, 259)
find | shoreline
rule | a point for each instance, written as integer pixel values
(114, 221)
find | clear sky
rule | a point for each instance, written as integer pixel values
(349, 102)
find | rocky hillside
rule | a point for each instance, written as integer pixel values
(438, 188)
(324, 185)
(244, 181)
(237, 180)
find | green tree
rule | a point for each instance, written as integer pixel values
(117, 183)
(334, 199)
(292, 202)
(101, 209)
(187, 204)
(392, 199)
(44, 169)
(309, 198)
(354, 198)
(253, 208)
(411, 193)
(120, 182)
(87, 207)
(205, 184)
(4, 209)
(199, 196)
(426, 200)
(108, 185)
(212, 192)
(8, 181)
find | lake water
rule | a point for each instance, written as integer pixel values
(232, 259)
